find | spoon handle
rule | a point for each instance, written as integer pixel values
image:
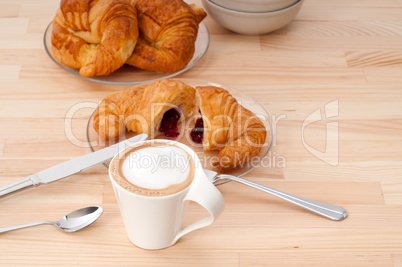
(16, 227)
(330, 211)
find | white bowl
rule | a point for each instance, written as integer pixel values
(248, 23)
(254, 5)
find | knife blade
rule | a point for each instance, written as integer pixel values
(327, 210)
(71, 167)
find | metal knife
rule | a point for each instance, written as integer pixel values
(71, 167)
(327, 210)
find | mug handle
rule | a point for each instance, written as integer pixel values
(208, 196)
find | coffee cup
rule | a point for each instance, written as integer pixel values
(153, 182)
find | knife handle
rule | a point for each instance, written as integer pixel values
(26, 182)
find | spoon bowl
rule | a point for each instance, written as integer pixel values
(79, 219)
(72, 222)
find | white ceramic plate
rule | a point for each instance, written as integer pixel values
(95, 143)
(131, 75)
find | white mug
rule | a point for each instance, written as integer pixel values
(155, 222)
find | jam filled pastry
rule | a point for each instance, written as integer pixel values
(156, 109)
(97, 36)
(225, 125)
(168, 31)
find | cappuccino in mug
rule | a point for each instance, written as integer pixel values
(153, 182)
(155, 169)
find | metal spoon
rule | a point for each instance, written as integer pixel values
(72, 222)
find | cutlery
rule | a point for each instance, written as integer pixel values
(329, 211)
(72, 222)
(71, 167)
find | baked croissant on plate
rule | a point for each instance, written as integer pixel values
(155, 109)
(227, 126)
(168, 30)
(216, 119)
(97, 36)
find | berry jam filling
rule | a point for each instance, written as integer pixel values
(197, 134)
(169, 123)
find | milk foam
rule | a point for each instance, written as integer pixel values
(156, 167)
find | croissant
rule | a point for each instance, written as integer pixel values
(227, 126)
(97, 36)
(168, 30)
(155, 109)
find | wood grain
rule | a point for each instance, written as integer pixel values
(335, 51)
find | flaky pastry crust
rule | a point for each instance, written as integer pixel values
(97, 36)
(235, 131)
(168, 31)
(141, 109)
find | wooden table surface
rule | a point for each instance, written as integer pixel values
(332, 82)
